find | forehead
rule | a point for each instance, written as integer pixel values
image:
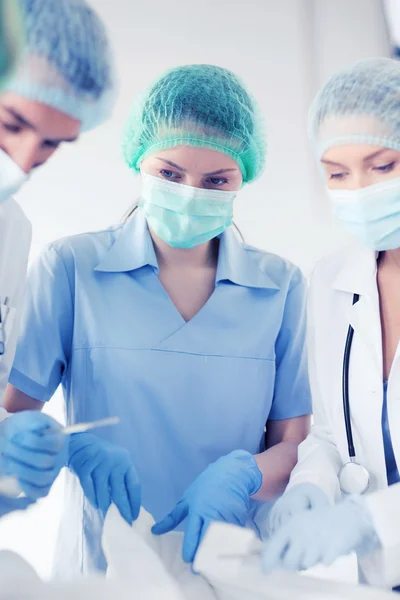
(196, 159)
(47, 121)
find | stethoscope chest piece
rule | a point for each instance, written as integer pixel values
(353, 478)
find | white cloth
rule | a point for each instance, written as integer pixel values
(333, 283)
(15, 243)
(142, 567)
(155, 569)
(152, 562)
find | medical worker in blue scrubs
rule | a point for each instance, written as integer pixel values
(193, 338)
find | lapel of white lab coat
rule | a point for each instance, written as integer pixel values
(358, 276)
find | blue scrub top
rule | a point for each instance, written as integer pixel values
(390, 459)
(98, 321)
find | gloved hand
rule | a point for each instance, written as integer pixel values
(304, 496)
(33, 449)
(320, 536)
(106, 474)
(221, 493)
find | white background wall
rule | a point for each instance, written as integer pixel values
(283, 50)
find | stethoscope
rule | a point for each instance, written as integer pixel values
(3, 316)
(2, 333)
(353, 477)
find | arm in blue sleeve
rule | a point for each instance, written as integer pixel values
(292, 396)
(46, 330)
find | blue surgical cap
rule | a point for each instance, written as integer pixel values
(67, 62)
(358, 105)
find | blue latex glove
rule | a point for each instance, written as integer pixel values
(8, 505)
(320, 536)
(304, 496)
(221, 493)
(33, 449)
(106, 474)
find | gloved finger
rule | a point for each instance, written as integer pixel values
(192, 537)
(273, 551)
(285, 517)
(319, 500)
(312, 556)
(84, 461)
(172, 520)
(134, 490)
(284, 510)
(119, 494)
(88, 488)
(333, 552)
(29, 420)
(8, 505)
(50, 443)
(34, 491)
(206, 524)
(102, 484)
(34, 460)
(292, 558)
(28, 474)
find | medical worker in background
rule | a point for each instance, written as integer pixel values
(355, 127)
(62, 85)
(169, 321)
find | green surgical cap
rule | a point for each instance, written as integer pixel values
(11, 37)
(358, 105)
(197, 105)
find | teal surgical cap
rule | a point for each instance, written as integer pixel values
(358, 105)
(66, 63)
(11, 37)
(197, 105)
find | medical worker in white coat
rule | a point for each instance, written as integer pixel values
(62, 85)
(355, 127)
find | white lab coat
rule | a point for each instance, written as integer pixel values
(15, 243)
(333, 283)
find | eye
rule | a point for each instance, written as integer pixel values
(50, 144)
(337, 175)
(217, 181)
(168, 174)
(12, 128)
(385, 168)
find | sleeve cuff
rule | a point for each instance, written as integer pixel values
(28, 386)
(302, 410)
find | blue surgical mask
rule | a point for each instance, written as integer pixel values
(185, 216)
(371, 213)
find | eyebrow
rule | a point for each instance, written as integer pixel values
(331, 162)
(365, 159)
(220, 172)
(375, 154)
(22, 121)
(172, 164)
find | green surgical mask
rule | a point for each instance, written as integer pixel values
(185, 216)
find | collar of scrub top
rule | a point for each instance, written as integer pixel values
(358, 274)
(133, 249)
